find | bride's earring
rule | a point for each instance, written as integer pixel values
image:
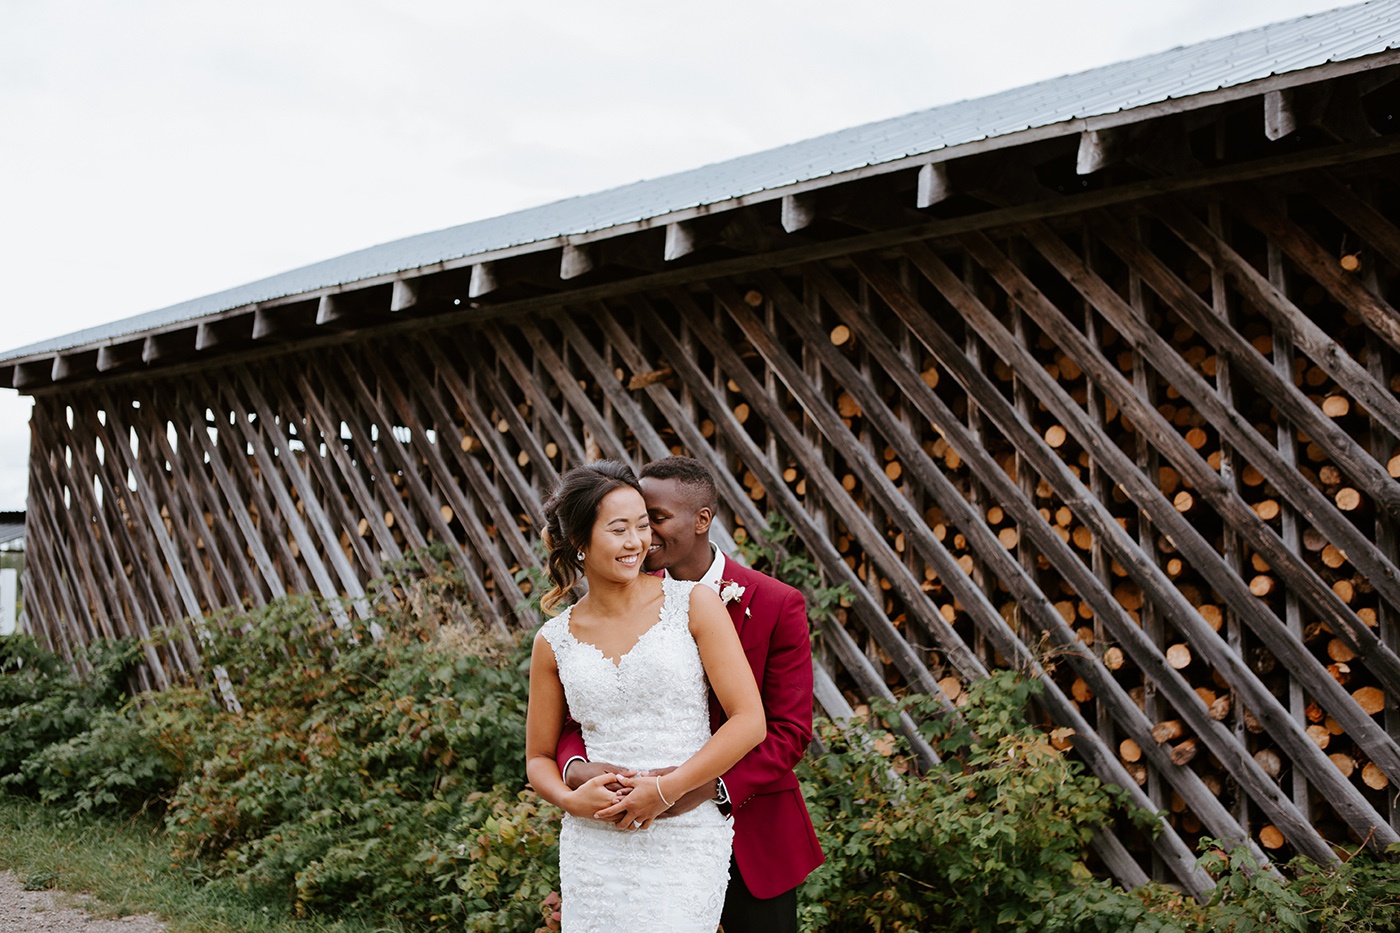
(579, 555)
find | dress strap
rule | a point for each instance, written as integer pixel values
(556, 632)
(677, 604)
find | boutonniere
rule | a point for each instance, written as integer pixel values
(729, 591)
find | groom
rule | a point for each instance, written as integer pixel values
(775, 847)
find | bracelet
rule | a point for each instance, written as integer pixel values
(661, 795)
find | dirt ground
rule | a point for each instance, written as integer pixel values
(24, 911)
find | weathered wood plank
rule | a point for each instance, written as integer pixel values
(736, 497)
(1279, 471)
(418, 489)
(1035, 605)
(973, 598)
(1266, 458)
(1305, 754)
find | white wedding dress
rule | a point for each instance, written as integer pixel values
(650, 710)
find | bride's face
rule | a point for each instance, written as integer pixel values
(620, 539)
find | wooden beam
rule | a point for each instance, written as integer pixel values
(1362, 217)
(764, 404)
(486, 491)
(1379, 315)
(233, 330)
(1244, 521)
(484, 546)
(823, 551)
(405, 294)
(331, 309)
(799, 211)
(1280, 120)
(532, 388)
(352, 475)
(116, 355)
(1311, 339)
(69, 365)
(1098, 149)
(1305, 754)
(1278, 470)
(281, 321)
(575, 261)
(965, 516)
(252, 537)
(492, 609)
(265, 323)
(31, 374)
(489, 434)
(1124, 630)
(934, 185)
(164, 347)
(483, 280)
(680, 240)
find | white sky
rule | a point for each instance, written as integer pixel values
(152, 151)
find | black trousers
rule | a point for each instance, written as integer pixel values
(744, 913)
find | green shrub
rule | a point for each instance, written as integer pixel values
(384, 780)
(42, 703)
(987, 839)
(354, 761)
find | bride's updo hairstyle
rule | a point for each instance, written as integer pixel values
(569, 517)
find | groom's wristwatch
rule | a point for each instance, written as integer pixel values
(722, 795)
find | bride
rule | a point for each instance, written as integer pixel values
(630, 663)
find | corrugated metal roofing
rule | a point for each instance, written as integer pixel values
(1344, 34)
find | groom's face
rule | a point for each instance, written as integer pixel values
(676, 522)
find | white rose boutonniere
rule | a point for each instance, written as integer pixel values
(729, 591)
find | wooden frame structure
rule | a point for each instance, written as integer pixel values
(1117, 407)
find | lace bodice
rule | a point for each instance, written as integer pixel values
(649, 710)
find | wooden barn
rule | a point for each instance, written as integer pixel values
(1102, 370)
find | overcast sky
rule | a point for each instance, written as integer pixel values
(152, 151)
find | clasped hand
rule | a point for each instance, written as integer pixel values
(608, 790)
(629, 799)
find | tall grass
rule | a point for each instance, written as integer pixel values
(127, 866)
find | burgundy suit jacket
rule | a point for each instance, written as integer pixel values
(775, 845)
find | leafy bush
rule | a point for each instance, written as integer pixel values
(986, 839)
(353, 757)
(43, 703)
(995, 839)
(385, 779)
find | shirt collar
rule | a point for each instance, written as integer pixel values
(714, 574)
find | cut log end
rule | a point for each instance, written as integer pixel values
(1370, 699)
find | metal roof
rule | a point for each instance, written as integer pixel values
(11, 527)
(1072, 102)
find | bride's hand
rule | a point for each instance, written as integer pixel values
(593, 795)
(639, 807)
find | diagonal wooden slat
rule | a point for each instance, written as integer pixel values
(1047, 618)
(1301, 578)
(1304, 752)
(972, 597)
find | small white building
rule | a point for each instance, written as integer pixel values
(11, 562)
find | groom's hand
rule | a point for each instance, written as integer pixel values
(689, 800)
(581, 772)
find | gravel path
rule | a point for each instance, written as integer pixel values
(24, 911)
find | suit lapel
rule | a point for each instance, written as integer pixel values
(739, 608)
